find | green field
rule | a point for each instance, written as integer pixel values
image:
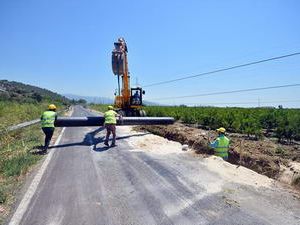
(99, 107)
(256, 122)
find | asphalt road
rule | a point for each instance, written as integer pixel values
(86, 183)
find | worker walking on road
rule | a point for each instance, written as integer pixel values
(47, 120)
(110, 125)
(221, 144)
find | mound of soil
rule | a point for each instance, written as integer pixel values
(264, 157)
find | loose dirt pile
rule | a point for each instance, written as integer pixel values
(265, 157)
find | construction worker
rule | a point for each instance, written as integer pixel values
(110, 125)
(47, 121)
(221, 144)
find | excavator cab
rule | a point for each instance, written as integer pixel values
(136, 96)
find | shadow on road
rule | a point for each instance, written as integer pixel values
(105, 148)
(91, 139)
(101, 149)
(133, 135)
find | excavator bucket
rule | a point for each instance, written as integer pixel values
(118, 63)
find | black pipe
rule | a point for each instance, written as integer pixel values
(99, 121)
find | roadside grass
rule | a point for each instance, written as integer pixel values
(16, 159)
(17, 149)
(12, 113)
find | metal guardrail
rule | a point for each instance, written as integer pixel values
(22, 125)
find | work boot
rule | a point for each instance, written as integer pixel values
(113, 144)
(106, 143)
(44, 151)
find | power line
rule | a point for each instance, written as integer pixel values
(229, 92)
(223, 69)
(243, 103)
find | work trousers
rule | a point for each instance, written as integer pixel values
(48, 131)
(110, 128)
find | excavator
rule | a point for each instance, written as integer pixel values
(128, 101)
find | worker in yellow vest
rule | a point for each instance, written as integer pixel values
(47, 121)
(110, 125)
(221, 144)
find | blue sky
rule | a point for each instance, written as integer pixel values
(66, 46)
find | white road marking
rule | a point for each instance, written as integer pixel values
(19, 213)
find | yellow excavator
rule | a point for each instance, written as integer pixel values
(128, 101)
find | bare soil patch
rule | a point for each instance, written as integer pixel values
(263, 156)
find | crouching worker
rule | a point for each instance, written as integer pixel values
(221, 144)
(47, 120)
(110, 125)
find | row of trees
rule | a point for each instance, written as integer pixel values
(255, 122)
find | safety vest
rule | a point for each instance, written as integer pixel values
(221, 149)
(48, 119)
(110, 117)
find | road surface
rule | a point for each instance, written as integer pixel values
(86, 183)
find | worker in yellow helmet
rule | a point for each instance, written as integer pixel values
(221, 144)
(110, 125)
(47, 121)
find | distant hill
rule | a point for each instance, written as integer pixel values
(99, 100)
(16, 91)
(90, 99)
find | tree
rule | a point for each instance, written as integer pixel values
(282, 124)
(81, 101)
(250, 126)
(268, 120)
(37, 97)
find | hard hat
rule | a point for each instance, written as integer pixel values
(221, 129)
(52, 107)
(110, 107)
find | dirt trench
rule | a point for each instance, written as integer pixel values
(265, 157)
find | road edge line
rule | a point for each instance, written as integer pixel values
(19, 213)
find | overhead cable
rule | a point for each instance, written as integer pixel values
(223, 69)
(228, 92)
(242, 103)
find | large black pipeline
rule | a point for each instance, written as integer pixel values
(99, 121)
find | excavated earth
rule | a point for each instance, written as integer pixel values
(281, 162)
